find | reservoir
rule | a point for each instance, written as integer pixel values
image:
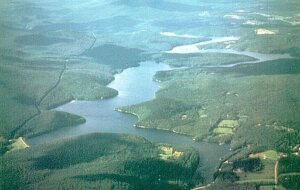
(135, 85)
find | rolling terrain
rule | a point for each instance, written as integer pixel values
(234, 80)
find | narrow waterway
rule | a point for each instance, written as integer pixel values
(136, 85)
(198, 48)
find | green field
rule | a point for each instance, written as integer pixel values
(221, 130)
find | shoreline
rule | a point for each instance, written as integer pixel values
(257, 56)
(159, 129)
(173, 136)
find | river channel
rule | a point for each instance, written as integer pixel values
(136, 85)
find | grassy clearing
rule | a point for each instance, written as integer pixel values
(228, 123)
(264, 175)
(269, 155)
(19, 144)
(271, 187)
(169, 153)
(257, 181)
(221, 130)
(226, 127)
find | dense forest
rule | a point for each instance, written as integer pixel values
(102, 161)
(231, 80)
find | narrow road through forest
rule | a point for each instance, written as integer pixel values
(38, 104)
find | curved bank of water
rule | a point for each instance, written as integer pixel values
(135, 85)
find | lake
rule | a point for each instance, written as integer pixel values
(135, 85)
